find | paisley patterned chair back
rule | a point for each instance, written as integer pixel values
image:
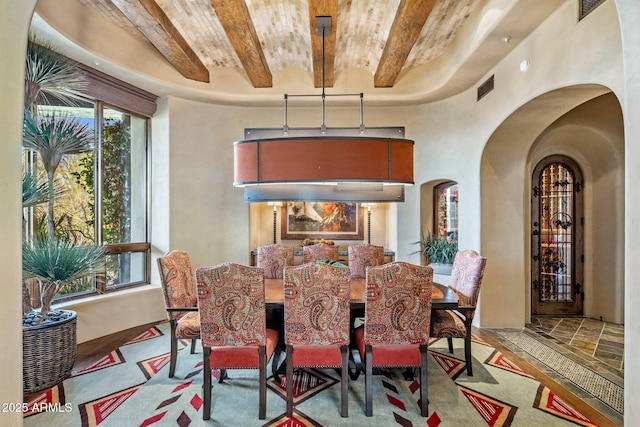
(231, 304)
(363, 256)
(316, 303)
(398, 304)
(319, 251)
(317, 298)
(466, 276)
(178, 284)
(273, 259)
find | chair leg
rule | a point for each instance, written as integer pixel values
(368, 380)
(424, 391)
(174, 349)
(467, 352)
(357, 364)
(206, 411)
(450, 341)
(223, 376)
(345, 380)
(193, 345)
(289, 374)
(262, 410)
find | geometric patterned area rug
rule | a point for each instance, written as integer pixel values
(595, 384)
(130, 387)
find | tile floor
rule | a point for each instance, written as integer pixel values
(603, 341)
(592, 343)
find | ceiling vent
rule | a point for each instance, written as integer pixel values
(587, 6)
(485, 88)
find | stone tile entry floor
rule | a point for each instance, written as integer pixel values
(584, 355)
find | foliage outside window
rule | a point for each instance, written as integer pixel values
(100, 193)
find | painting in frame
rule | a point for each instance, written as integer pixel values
(322, 220)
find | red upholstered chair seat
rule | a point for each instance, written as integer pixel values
(318, 356)
(245, 357)
(390, 356)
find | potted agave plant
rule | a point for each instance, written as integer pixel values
(50, 261)
(439, 253)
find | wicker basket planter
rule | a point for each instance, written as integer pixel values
(48, 352)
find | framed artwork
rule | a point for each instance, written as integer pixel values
(322, 220)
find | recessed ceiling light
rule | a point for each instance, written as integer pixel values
(524, 65)
(506, 39)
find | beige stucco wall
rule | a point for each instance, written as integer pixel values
(629, 16)
(14, 22)
(450, 135)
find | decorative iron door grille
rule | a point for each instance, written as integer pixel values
(556, 281)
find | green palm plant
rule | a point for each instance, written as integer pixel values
(53, 136)
(56, 262)
(48, 74)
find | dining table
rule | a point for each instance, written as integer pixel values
(442, 297)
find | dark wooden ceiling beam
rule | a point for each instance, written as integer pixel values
(236, 21)
(154, 24)
(407, 25)
(323, 8)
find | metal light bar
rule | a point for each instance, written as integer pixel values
(374, 131)
(321, 193)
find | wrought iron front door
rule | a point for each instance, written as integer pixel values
(556, 240)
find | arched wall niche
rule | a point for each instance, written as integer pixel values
(427, 204)
(427, 209)
(505, 178)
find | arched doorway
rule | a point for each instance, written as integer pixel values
(591, 132)
(557, 222)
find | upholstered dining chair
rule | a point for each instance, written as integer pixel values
(181, 302)
(316, 322)
(273, 258)
(466, 278)
(319, 251)
(396, 329)
(363, 256)
(233, 326)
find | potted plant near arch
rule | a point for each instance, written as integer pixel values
(50, 260)
(439, 253)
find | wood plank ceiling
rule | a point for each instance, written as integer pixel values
(263, 37)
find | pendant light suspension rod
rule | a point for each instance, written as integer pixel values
(285, 128)
(323, 127)
(361, 112)
(322, 23)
